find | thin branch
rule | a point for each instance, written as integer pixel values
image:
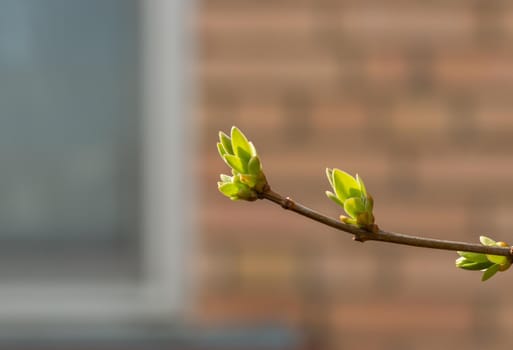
(362, 235)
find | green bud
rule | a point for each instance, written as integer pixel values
(351, 194)
(489, 264)
(241, 156)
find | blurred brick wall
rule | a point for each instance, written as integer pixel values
(414, 96)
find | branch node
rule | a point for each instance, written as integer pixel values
(358, 238)
(287, 203)
(266, 189)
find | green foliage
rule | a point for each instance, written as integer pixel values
(240, 155)
(489, 264)
(350, 193)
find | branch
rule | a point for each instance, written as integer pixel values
(362, 235)
(249, 183)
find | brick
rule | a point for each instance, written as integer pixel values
(392, 25)
(246, 225)
(246, 6)
(505, 20)
(296, 71)
(267, 21)
(424, 273)
(338, 116)
(501, 219)
(279, 45)
(266, 118)
(236, 308)
(494, 116)
(386, 69)
(268, 268)
(402, 317)
(411, 118)
(473, 69)
(466, 170)
(350, 270)
(348, 159)
(426, 341)
(503, 309)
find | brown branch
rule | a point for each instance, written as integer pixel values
(382, 236)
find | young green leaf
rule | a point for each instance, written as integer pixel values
(235, 163)
(345, 185)
(492, 270)
(463, 263)
(226, 142)
(347, 220)
(329, 175)
(497, 259)
(225, 178)
(369, 203)
(221, 149)
(249, 180)
(334, 198)
(254, 166)
(354, 206)
(475, 266)
(228, 189)
(253, 149)
(362, 186)
(240, 144)
(243, 155)
(487, 241)
(476, 257)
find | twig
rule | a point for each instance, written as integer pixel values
(362, 235)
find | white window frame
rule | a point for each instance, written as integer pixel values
(164, 290)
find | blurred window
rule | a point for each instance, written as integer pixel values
(68, 133)
(91, 137)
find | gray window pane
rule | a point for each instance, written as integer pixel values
(68, 121)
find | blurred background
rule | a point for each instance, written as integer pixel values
(113, 232)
